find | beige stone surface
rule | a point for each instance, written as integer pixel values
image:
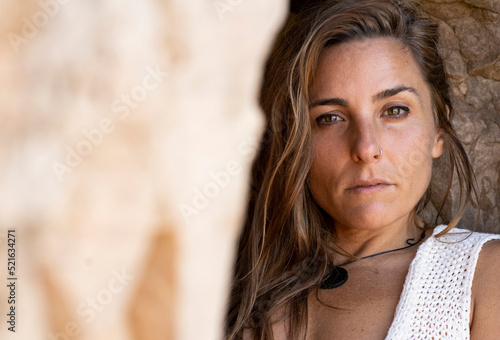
(470, 45)
(127, 131)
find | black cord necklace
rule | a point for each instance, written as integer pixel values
(338, 276)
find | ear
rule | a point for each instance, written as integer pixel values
(438, 146)
(447, 112)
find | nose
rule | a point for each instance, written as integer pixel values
(365, 145)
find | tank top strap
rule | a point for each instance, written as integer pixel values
(436, 298)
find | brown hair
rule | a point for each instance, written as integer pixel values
(285, 250)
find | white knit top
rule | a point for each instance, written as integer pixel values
(436, 298)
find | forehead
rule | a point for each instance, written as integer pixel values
(368, 65)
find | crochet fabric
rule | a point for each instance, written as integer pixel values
(436, 298)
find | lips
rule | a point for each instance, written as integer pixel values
(369, 185)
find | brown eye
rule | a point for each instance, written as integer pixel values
(397, 111)
(394, 111)
(328, 118)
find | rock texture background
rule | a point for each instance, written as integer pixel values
(470, 46)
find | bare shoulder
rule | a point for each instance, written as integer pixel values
(279, 326)
(485, 311)
(279, 332)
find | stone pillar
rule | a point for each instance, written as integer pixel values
(128, 129)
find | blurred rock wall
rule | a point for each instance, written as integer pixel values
(470, 45)
(127, 132)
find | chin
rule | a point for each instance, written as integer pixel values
(365, 224)
(371, 219)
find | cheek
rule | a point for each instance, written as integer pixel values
(321, 171)
(326, 157)
(319, 160)
(415, 159)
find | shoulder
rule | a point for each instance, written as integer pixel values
(488, 265)
(279, 326)
(485, 311)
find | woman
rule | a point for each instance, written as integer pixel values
(336, 244)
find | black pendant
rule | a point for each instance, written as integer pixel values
(336, 278)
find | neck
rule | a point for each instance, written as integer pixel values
(361, 242)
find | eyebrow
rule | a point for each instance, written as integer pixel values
(392, 92)
(329, 101)
(379, 96)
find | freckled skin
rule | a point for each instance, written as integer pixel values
(348, 139)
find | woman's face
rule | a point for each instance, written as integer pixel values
(374, 135)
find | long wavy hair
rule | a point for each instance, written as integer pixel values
(285, 249)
